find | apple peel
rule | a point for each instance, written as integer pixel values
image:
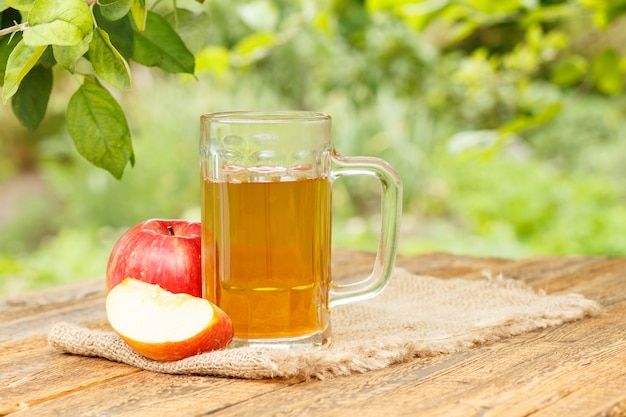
(159, 251)
(164, 326)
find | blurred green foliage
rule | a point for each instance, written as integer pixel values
(505, 120)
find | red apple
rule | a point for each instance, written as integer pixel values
(163, 252)
(164, 326)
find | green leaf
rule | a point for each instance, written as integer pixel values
(114, 9)
(20, 62)
(606, 73)
(31, 100)
(67, 56)
(120, 33)
(22, 5)
(53, 22)
(47, 58)
(75, 12)
(55, 33)
(192, 27)
(6, 47)
(139, 13)
(108, 63)
(3, 6)
(8, 18)
(160, 46)
(99, 129)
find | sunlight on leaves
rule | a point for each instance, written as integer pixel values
(22, 5)
(21, 60)
(58, 23)
(139, 13)
(253, 47)
(55, 33)
(214, 60)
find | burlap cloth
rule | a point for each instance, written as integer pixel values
(416, 316)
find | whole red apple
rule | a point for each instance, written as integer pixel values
(157, 251)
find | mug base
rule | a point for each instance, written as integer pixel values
(312, 340)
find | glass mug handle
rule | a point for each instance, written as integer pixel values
(391, 209)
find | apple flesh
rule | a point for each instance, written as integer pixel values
(164, 326)
(157, 251)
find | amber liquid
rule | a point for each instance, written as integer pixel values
(266, 248)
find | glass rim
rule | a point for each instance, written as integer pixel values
(265, 116)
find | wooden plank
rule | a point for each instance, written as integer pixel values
(147, 393)
(549, 371)
(50, 298)
(36, 312)
(38, 375)
(542, 371)
(445, 265)
(577, 369)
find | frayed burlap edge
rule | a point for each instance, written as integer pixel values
(347, 356)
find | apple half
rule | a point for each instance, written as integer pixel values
(164, 326)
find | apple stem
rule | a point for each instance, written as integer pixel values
(171, 230)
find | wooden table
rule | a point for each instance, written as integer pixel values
(577, 369)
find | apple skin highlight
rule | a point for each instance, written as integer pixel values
(158, 251)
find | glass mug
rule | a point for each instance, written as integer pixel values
(266, 224)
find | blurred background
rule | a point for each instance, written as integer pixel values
(506, 121)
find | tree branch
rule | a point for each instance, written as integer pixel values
(14, 28)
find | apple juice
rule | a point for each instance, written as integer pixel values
(266, 248)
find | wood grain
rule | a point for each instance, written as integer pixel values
(577, 369)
